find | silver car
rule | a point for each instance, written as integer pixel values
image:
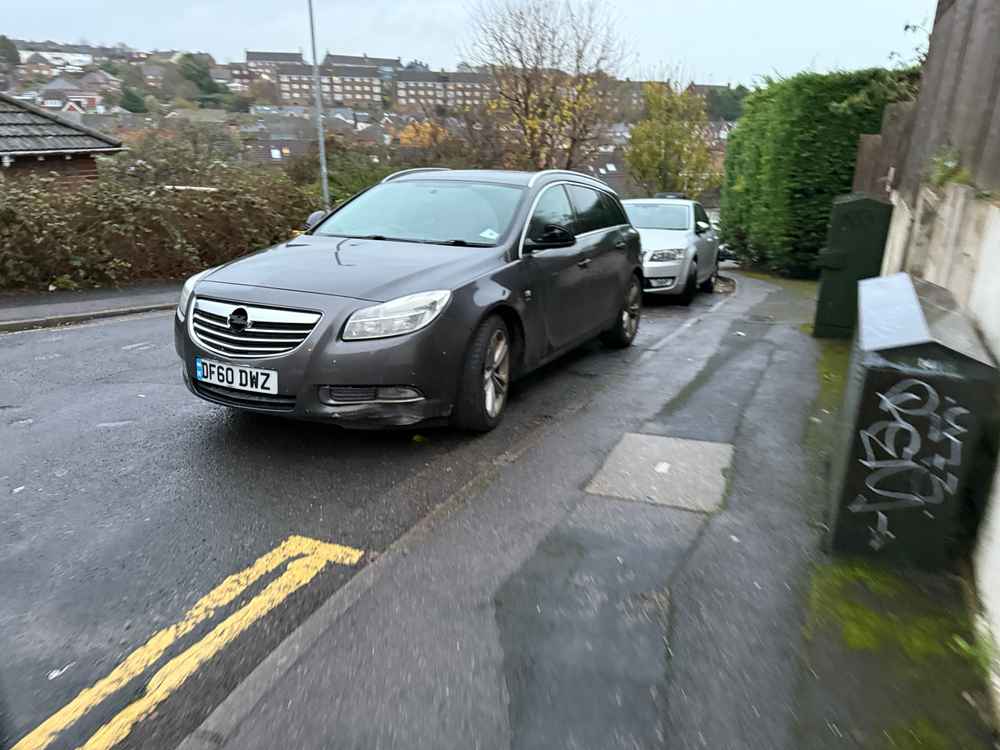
(680, 247)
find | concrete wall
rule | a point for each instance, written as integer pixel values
(950, 234)
(952, 238)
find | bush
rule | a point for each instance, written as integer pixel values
(790, 154)
(120, 228)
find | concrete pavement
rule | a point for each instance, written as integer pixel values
(533, 613)
(23, 311)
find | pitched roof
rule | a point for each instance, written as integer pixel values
(61, 84)
(464, 76)
(275, 57)
(420, 75)
(350, 70)
(25, 129)
(362, 60)
(702, 89)
(294, 69)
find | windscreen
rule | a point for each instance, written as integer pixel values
(433, 211)
(658, 215)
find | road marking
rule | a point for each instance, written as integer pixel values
(310, 557)
(116, 424)
(59, 672)
(136, 346)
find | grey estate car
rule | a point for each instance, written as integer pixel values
(418, 300)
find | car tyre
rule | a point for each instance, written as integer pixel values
(690, 286)
(626, 326)
(708, 285)
(485, 380)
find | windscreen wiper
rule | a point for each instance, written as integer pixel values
(460, 243)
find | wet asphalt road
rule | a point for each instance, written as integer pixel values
(125, 500)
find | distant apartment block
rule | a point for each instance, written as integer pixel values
(339, 84)
(423, 90)
(269, 61)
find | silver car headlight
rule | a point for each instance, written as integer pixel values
(661, 256)
(396, 317)
(187, 290)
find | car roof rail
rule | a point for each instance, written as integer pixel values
(394, 175)
(579, 175)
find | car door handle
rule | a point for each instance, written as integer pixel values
(621, 244)
(584, 263)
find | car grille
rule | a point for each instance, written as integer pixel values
(269, 331)
(233, 397)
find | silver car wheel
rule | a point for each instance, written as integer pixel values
(496, 373)
(632, 310)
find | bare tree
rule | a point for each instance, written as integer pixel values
(552, 62)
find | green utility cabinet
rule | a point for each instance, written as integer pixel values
(859, 226)
(920, 398)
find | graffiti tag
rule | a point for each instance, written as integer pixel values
(912, 454)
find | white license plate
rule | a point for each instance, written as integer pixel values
(240, 378)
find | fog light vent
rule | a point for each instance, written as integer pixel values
(398, 393)
(346, 394)
(359, 394)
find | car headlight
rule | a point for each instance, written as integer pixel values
(396, 317)
(660, 256)
(187, 290)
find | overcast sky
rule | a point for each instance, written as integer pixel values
(714, 41)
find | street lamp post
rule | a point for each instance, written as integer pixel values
(319, 113)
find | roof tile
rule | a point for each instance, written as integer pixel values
(24, 128)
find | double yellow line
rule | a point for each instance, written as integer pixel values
(306, 557)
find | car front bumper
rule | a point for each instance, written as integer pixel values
(664, 278)
(428, 360)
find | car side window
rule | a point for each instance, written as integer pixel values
(613, 210)
(699, 214)
(553, 207)
(590, 210)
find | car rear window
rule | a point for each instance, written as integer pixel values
(658, 215)
(434, 211)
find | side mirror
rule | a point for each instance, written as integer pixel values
(552, 235)
(701, 227)
(314, 217)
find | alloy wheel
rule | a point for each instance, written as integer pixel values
(496, 373)
(632, 310)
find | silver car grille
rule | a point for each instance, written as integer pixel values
(268, 332)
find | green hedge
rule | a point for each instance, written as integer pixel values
(791, 153)
(122, 228)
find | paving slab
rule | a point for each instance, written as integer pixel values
(689, 474)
